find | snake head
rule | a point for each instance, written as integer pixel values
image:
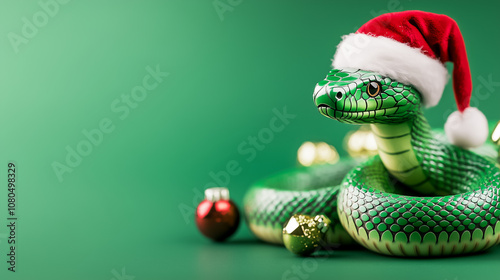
(357, 96)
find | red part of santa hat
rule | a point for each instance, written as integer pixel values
(412, 47)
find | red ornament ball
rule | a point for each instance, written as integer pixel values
(217, 217)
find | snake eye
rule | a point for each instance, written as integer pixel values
(339, 95)
(374, 89)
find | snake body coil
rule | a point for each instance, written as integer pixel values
(421, 196)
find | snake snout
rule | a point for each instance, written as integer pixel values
(321, 97)
(326, 111)
(324, 104)
(328, 99)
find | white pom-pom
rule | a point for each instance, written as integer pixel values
(467, 129)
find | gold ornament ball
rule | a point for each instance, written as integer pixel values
(495, 135)
(312, 153)
(302, 234)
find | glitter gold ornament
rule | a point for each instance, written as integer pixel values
(312, 153)
(303, 234)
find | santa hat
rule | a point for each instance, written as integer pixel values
(412, 47)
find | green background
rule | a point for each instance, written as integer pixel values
(129, 204)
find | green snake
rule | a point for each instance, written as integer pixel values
(420, 196)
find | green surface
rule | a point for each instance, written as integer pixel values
(120, 207)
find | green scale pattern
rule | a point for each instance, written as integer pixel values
(373, 207)
(451, 170)
(410, 222)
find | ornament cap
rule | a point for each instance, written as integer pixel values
(216, 194)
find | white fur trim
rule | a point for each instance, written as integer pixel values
(467, 129)
(396, 60)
